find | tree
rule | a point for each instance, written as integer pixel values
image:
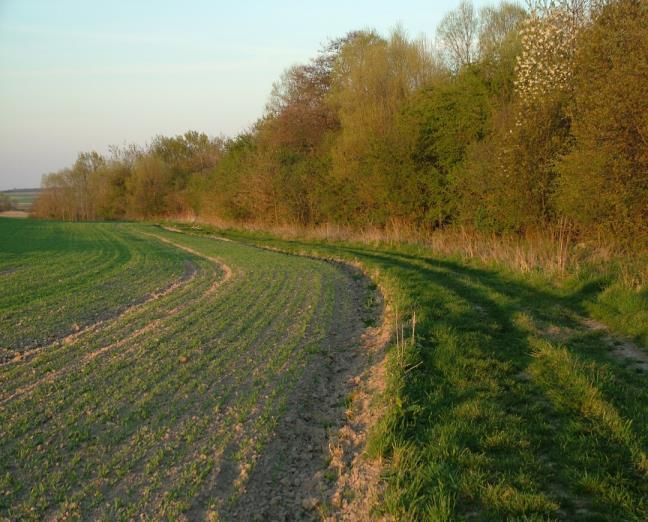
(372, 79)
(603, 179)
(149, 187)
(298, 114)
(69, 194)
(84, 169)
(293, 135)
(229, 193)
(499, 47)
(446, 117)
(497, 25)
(108, 190)
(457, 34)
(187, 153)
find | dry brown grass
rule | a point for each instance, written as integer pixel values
(14, 214)
(555, 250)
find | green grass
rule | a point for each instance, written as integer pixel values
(139, 413)
(507, 406)
(623, 309)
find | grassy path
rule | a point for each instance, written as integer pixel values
(163, 399)
(509, 405)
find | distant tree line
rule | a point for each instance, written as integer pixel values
(5, 203)
(515, 119)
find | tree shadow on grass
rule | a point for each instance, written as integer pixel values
(485, 420)
(490, 418)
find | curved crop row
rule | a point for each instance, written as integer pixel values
(102, 268)
(167, 407)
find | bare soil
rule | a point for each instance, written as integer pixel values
(622, 349)
(14, 214)
(313, 467)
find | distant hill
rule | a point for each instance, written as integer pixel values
(22, 199)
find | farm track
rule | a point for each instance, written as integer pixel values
(217, 397)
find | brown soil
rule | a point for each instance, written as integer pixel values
(14, 214)
(313, 468)
(227, 271)
(623, 350)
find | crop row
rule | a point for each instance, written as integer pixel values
(165, 408)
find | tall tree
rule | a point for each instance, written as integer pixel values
(457, 33)
(149, 187)
(603, 179)
(372, 79)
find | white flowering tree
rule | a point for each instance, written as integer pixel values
(538, 130)
(544, 68)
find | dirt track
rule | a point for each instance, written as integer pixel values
(305, 471)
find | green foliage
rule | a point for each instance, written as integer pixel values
(448, 117)
(228, 194)
(371, 80)
(451, 116)
(500, 46)
(623, 308)
(110, 191)
(149, 187)
(509, 405)
(521, 121)
(603, 181)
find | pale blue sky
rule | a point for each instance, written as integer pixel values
(80, 75)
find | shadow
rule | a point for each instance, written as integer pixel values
(470, 386)
(473, 423)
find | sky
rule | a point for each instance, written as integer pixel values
(80, 75)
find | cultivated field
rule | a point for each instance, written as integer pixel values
(515, 401)
(23, 199)
(146, 372)
(195, 373)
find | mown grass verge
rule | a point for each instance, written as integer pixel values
(507, 405)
